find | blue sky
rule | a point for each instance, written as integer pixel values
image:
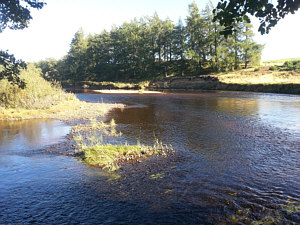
(50, 32)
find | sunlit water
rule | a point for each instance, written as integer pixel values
(237, 161)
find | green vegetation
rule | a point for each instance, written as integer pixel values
(291, 65)
(231, 12)
(273, 216)
(285, 65)
(273, 68)
(278, 62)
(42, 99)
(105, 85)
(93, 150)
(38, 93)
(157, 176)
(15, 15)
(150, 48)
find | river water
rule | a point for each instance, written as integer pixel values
(237, 161)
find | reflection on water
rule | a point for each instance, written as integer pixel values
(237, 161)
(26, 134)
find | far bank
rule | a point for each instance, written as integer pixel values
(251, 80)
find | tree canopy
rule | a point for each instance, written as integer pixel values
(150, 48)
(14, 14)
(229, 12)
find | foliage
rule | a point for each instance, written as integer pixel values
(229, 13)
(14, 14)
(273, 68)
(291, 66)
(93, 150)
(38, 93)
(150, 48)
(50, 69)
(9, 67)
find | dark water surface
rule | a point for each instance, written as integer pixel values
(237, 161)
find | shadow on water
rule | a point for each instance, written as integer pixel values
(237, 161)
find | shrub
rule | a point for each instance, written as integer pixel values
(291, 65)
(273, 68)
(37, 94)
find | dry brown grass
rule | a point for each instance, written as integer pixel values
(263, 76)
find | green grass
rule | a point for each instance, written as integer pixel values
(93, 150)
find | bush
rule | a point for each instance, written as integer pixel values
(37, 94)
(273, 68)
(296, 65)
(291, 65)
(257, 69)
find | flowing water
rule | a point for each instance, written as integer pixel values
(237, 161)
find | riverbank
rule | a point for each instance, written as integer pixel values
(121, 91)
(251, 80)
(67, 110)
(260, 79)
(41, 99)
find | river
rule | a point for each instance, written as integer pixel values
(237, 160)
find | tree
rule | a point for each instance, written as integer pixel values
(179, 46)
(195, 38)
(77, 59)
(231, 12)
(251, 51)
(10, 68)
(14, 14)
(49, 69)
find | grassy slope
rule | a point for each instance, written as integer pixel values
(259, 79)
(263, 76)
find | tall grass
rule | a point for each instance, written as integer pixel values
(38, 93)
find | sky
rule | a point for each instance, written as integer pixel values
(50, 32)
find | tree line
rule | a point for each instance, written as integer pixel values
(150, 47)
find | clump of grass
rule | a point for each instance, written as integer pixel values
(93, 150)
